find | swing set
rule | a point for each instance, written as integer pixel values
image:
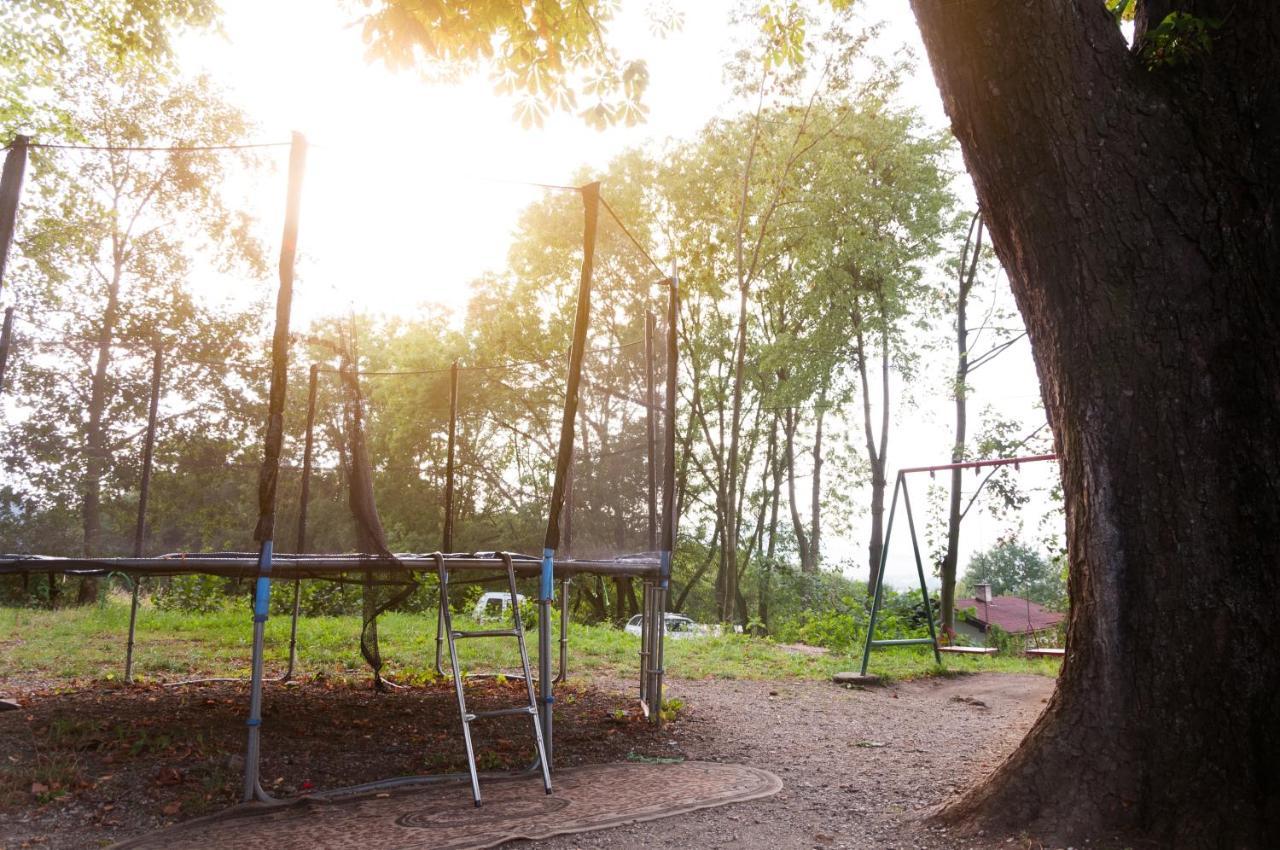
(900, 491)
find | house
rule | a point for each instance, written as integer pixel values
(1013, 614)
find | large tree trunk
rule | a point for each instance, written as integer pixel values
(1135, 212)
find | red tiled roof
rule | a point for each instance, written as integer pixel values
(1011, 613)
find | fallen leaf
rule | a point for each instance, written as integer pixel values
(172, 808)
(39, 788)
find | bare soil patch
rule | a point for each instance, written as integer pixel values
(87, 767)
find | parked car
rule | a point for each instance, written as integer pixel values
(678, 626)
(494, 605)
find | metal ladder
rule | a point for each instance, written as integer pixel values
(468, 716)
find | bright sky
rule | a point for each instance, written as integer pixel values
(404, 204)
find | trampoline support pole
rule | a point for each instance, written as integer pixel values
(546, 597)
(564, 632)
(144, 492)
(261, 607)
(646, 633)
(133, 626)
(272, 443)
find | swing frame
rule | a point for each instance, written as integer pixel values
(900, 489)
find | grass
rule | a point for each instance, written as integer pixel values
(89, 643)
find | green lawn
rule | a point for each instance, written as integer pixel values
(89, 643)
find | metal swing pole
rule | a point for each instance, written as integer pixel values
(273, 442)
(546, 593)
(924, 589)
(884, 559)
(144, 492)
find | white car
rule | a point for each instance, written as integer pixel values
(678, 626)
(494, 605)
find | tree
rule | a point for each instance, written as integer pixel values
(109, 241)
(550, 53)
(968, 361)
(1013, 568)
(1130, 195)
(40, 38)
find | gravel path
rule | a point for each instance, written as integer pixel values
(858, 766)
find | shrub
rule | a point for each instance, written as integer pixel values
(196, 594)
(317, 598)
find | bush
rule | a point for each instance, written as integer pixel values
(316, 598)
(195, 594)
(841, 624)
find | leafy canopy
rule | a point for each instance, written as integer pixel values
(554, 53)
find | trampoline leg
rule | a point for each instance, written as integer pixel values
(261, 605)
(646, 613)
(546, 597)
(293, 631)
(440, 615)
(564, 632)
(133, 624)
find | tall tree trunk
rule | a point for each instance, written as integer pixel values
(775, 496)
(802, 539)
(1135, 212)
(815, 494)
(877, 450)
(960, 393)
(95, 430)
(733, 523)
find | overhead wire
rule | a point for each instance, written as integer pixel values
(631, 236)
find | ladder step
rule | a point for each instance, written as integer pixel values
(502, 712)
(487, 633)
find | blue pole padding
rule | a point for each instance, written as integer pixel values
(262, 591)
(548, 575)
(665, 569)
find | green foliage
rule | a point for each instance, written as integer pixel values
(1180, 39)
(841, 624)
(316, 599)
(107, 244)
(555, 55)
(194, 594)
(40, 39)
(1004, 642)
(1121, 10)
(1014, 568)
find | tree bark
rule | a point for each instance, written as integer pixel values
(95, 430)
(815, 494)
(877, 451)
(1135, 212)
(960, 393)
(802, 539)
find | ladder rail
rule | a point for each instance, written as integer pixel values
(528, 677)
(452, 636)
(443, 573)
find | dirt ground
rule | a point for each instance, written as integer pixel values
(86, 767)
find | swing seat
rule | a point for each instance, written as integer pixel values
(969, 650)
(1047, 652)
